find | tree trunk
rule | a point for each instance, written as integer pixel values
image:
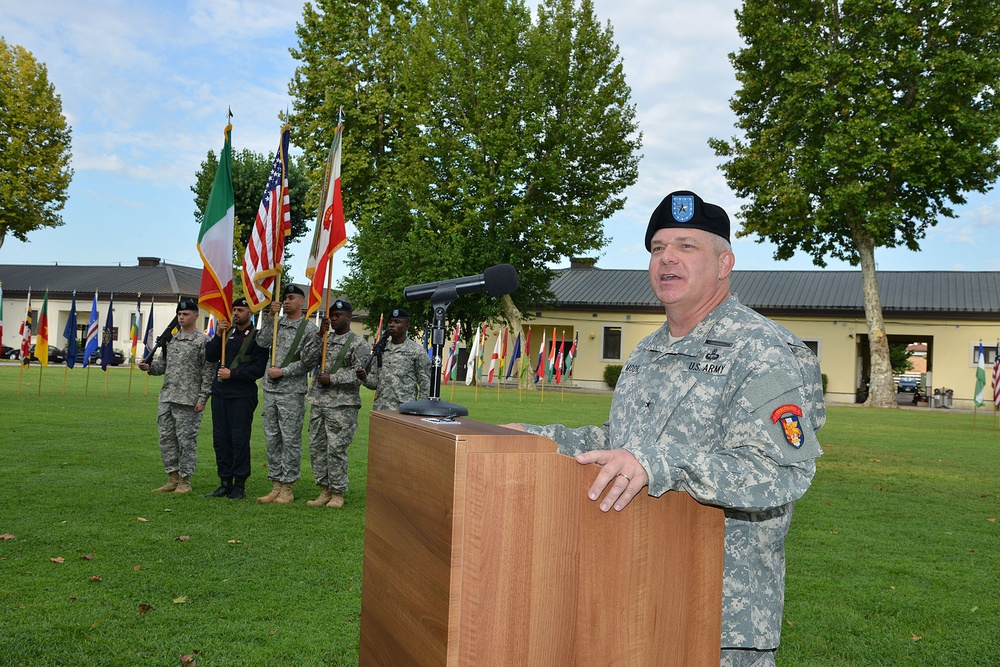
(513, 317)
(881, 391)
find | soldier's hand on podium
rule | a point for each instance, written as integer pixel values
(621, 475)
(515, 426)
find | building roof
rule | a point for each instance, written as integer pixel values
(151, 277)
(913, 293)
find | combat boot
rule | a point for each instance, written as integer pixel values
(173, 479)
(336, 500)
(225, 486)
(269, 498)
(323, 499)
(237, 491)
(285, 495)
(184, 485)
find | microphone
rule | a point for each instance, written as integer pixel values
(497, 280)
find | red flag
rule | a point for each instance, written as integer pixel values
(559, 358)
(996, 376)
(26, 331)
(331, 232)
(266, 247)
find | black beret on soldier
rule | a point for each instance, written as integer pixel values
(684, 209)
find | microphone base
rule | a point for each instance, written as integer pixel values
(433, 408)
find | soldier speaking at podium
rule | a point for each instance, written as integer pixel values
(720, 403)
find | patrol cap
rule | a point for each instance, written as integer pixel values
(187, 304)
(685, 210)
(241, 302)
(340, 304)
(401, 313)
(292, 288)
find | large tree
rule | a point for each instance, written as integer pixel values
(34, 146)
(864, 123)
(510, 141)
(250, 173)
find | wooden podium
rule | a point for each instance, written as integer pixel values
(482, 549)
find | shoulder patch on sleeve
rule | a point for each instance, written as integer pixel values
(788, 415)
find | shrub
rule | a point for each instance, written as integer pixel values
(611, 373)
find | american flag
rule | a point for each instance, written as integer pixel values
(996, 376)
(266, 246)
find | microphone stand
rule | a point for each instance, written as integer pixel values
(433, 406)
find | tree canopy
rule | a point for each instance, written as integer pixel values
(250, 174)
(864, 122)
(34, 146)
(475, 136)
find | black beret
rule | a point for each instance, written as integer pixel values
(187, 304)
(401, 313)
(291, 288)
(340, 304)
(242, 301)
(686, 210)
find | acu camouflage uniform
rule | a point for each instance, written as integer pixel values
(727, 414)
(187, 380)
(284, 399)
(405, 375)
(333, 418)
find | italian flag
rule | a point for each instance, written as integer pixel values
(215, 240)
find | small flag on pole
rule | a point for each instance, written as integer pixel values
(93, 339)
(495, 359)
(42, 344)
(69, 333)
(540, 368)
(148, 338)
(980, 378)
(514, 356)
(107, 337)
(134, 329)
(25, 332)
(470, 365)
(996, 376)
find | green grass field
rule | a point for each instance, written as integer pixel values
(893, 555)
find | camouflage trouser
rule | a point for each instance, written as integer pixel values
(330, 432)
(283, 418)
(746, 657)
(178, 425)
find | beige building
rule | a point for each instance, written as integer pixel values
(948, 312)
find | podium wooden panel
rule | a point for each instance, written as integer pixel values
(481, 548)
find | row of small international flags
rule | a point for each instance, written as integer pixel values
(98, 339)
(552, 367)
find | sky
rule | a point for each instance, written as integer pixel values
(146, 84)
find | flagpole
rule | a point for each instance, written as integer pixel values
(86, 387)
(40, 367)
(325, 307)
(65, 375)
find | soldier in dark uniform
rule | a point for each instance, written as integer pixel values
(234, 398)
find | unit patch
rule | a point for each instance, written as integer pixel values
(788, 415)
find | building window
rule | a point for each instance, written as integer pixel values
(612, 344)
(989, 354)
(813, 345)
